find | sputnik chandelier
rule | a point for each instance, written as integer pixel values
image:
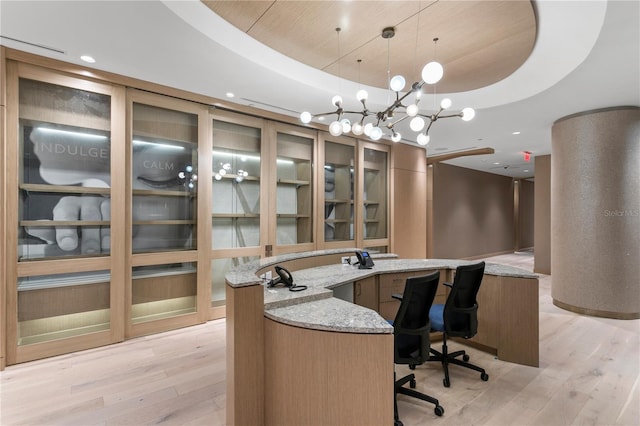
(396, 112)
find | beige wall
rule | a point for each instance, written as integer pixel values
(525, 212)
(595, 212)
(542, 216)
(409, 197)
(473, 213)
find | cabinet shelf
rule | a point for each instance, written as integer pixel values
(337, 221)
(235, 215)
(294, 182)
(293, 215)
(244, 179)
(371, 221)
(64, 189)
(371, 203)
(337, 201)
(164, 222)
(163, 193)
(49, 223)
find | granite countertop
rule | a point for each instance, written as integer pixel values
(316, 308)
(331, 315)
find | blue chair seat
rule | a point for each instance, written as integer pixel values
(436, 316)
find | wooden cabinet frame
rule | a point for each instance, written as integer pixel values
(16, 269)
(200, 255)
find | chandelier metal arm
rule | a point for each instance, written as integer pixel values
(390, 125)
(431, 74)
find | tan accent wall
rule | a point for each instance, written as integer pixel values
(409, 198)
(595, 212)
(3, 267)
(472, 213)
(542, 216)
(525, 214)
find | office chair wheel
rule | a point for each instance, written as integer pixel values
(446, 383)
(412, 366)
(397, 423)
(484, 377)
(439, 410)
(465, 358)
(412, 384)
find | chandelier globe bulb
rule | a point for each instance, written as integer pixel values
(362, 95)
(412, 110)
(423, 139)
(305, 117)
(357, 129)
(395, 137)
(468, 114)
(336, 101)
(397, 83)
(416, 124)
(432, 72)
(335, 128)
(346, 125)
(445, 103)
(376, 133)
(367, 129)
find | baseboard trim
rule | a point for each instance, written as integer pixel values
(596, 312)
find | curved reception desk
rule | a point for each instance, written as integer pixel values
(324, 355)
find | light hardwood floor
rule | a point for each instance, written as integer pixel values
(589, 375)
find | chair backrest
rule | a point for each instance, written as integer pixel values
(461, 308)
(411, 326)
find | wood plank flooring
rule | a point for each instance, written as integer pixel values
(589, 375)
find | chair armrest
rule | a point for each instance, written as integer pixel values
(397, 296)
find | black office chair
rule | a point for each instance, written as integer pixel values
(411, 330)
(458, 318)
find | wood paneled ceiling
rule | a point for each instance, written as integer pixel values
(479, 42)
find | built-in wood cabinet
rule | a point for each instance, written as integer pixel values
(63, 189)
(167, 277)
(125, 208)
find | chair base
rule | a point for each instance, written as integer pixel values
(446, 358)
(398, 388)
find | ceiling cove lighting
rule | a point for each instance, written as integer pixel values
(394, 113)
(88, 59)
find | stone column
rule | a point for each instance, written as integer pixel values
(595, 213)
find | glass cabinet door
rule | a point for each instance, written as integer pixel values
(65, 176)
(164, 175)
(374, 196)
(237, 205)
(294, 188)
(236, 185)
(339, 163)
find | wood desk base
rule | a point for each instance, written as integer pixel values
(317, 377)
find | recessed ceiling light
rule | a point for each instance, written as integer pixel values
(88, 59)
(516, 133)
(321, 118)
(230, 95)
(526, 171)
(496, 163)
